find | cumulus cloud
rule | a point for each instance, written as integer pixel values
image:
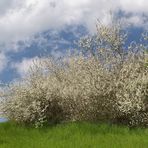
(23, 67)
(3, 61)
(21, 19)
(137, 6)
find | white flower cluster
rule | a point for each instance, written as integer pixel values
(82, 88)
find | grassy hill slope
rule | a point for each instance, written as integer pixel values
(72, 135)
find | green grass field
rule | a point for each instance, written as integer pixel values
(72, 135)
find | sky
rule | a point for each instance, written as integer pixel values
(30, 28)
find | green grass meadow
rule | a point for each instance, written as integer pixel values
(72, 135)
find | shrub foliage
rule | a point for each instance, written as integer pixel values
(103, 84)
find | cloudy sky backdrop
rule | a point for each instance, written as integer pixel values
(29, 27)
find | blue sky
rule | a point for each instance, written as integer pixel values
(28, 28)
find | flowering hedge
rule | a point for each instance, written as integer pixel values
(106, 84)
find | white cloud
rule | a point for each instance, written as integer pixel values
(23, 67)
(136, 6)
(20, 19)
(3, 61)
